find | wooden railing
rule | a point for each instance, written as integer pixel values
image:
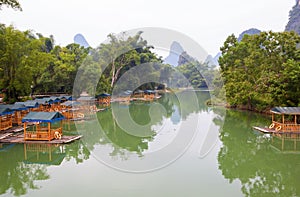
(5, 123)
(287, 127)
(41, 134)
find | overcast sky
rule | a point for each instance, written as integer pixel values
(207, 22)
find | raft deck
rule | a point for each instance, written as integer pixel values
(19, 139)
(271, 131)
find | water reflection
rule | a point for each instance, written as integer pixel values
(151, 115)
(250, 158)
(23, 164)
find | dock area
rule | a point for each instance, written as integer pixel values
(19, 139)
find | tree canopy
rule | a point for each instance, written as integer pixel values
(11, 3)
(262, 70)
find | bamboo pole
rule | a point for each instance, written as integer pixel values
(24, 130)
(49, 131)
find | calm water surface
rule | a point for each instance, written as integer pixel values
(111, 162)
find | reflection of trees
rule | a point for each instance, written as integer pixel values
(120, 139)
(191, 102)
(122, 142)
(247, 156)
(17, 177)
(77, 151)
(22, 165)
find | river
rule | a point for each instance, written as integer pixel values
(176, 146)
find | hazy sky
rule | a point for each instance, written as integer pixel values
(207, 22)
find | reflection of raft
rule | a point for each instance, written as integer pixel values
(19, 139)
(80, 115)
(286, 143)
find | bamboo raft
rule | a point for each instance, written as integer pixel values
(266, 130)
(19, 139)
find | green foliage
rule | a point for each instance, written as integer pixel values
(262, 70)
(121, 54)
(29, 64)
(11, 3)
(32, 64)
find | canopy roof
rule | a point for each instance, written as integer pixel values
(150, 91)
(70, 103)
(31, 104)
(43, 101)
(43, 117)
(286, 110)
(103, 95)
(66, 97)
(55, 99)
(15, 107)
(5, 111)
(138, 91)
(86, 98)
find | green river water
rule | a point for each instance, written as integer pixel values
(176, 146)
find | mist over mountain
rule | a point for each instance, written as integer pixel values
(175, 51)
(213, 61)
(294, 19)
(178, 56)
(79, 39)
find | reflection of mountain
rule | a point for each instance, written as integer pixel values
(249, 157)
(79, 39)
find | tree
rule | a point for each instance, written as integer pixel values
(260, 70)
(123, 53)
(14, 49)
(11, 3)
(21, 52)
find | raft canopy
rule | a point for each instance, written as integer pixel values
(138, 91)
(70, 103)
(286, 110)
(66, 97)
(15, 107)
(28, 104)
(5, 111)
(43, 117)
(149, 91)
(55, 99)
(103, 95)
(44, 101)
(86, 98)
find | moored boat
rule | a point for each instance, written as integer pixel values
(284, 120)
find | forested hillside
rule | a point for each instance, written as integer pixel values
(294, 19)
(262, 70)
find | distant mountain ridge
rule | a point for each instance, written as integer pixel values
(175, 51)
(79, 39)
(179, 56)
(294, 19)
(251, 31)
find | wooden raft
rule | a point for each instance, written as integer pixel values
(19, 139)
(271, 131)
